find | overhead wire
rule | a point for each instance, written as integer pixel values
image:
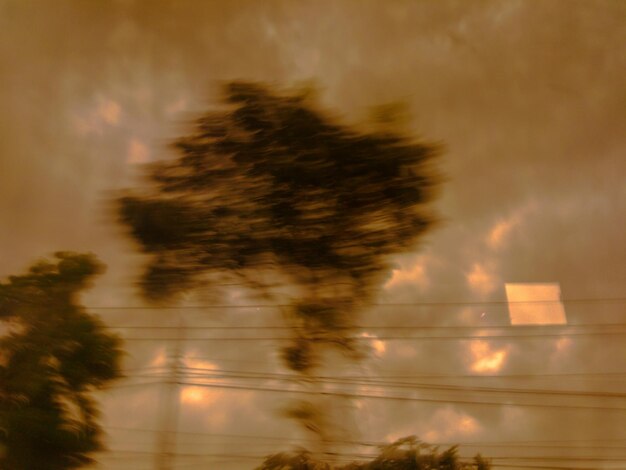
(377, 327)
(575, 443)
(374, 304)
(403, 398)
(385, 338)
(222, 373)
(584, 375)
(392, 327)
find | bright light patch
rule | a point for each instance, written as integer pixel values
(414, 275)
(480, 279)
(486, 359)
(198, 395)
(137, 152)
(447, 424)
(109, 111)
(378, 345)
(535, 304)
(196, 363)
(500, 232)
(563, 344)
(160, 359)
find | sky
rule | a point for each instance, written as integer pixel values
(528, 99)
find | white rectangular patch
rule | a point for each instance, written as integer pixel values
(535, 304)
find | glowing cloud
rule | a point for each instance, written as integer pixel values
(199, 396)
(411, 272)
(562, 345)
(499, 233)
(481, 280)
(137, 152)
(535, 304)
(448, 424)
(109, 111)
(160, 358)
(414, 275)
(379, 346)
(195, 395)
(194, 362)
(486, 359)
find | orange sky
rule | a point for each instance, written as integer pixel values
(528, 98)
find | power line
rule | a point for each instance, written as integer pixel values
(574, 458)
(377, 327)
(352, 395)
(403, 398)
(221, 373)
(351, 456)
(126, 385)
(387, 338)
(368, 382)
(375, 304)
(544, 467)
(370, 455)
(585, 375)
(574, 443)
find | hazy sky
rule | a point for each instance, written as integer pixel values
(528, 97)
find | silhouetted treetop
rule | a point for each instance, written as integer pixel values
(53, 355)
(270, 182)
(407, 453)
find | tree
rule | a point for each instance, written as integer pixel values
(269, 187)
(53, 355)
(407, 453)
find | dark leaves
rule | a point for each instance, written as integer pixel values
(407, 453)
(272, 178)
(54, 355)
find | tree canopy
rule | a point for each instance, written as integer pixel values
(53, 355)
(407, 453)
(269, 187)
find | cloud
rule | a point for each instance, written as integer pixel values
(193, 360)
(378, 345)
(486, 359)
(500, 232)
(106, 113)
(413, 274)
(444, 425)
(109, 111)
(449, 424)
(137, 152)
(199, 396)
(481, 279)
(160, 358)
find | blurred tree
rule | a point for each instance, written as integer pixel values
(269, 183)
(299, 460)
(407, 453)
(270, 188)
(53, 354)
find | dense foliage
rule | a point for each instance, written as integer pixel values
(266, 188)
(405, 454)
(53, 355)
